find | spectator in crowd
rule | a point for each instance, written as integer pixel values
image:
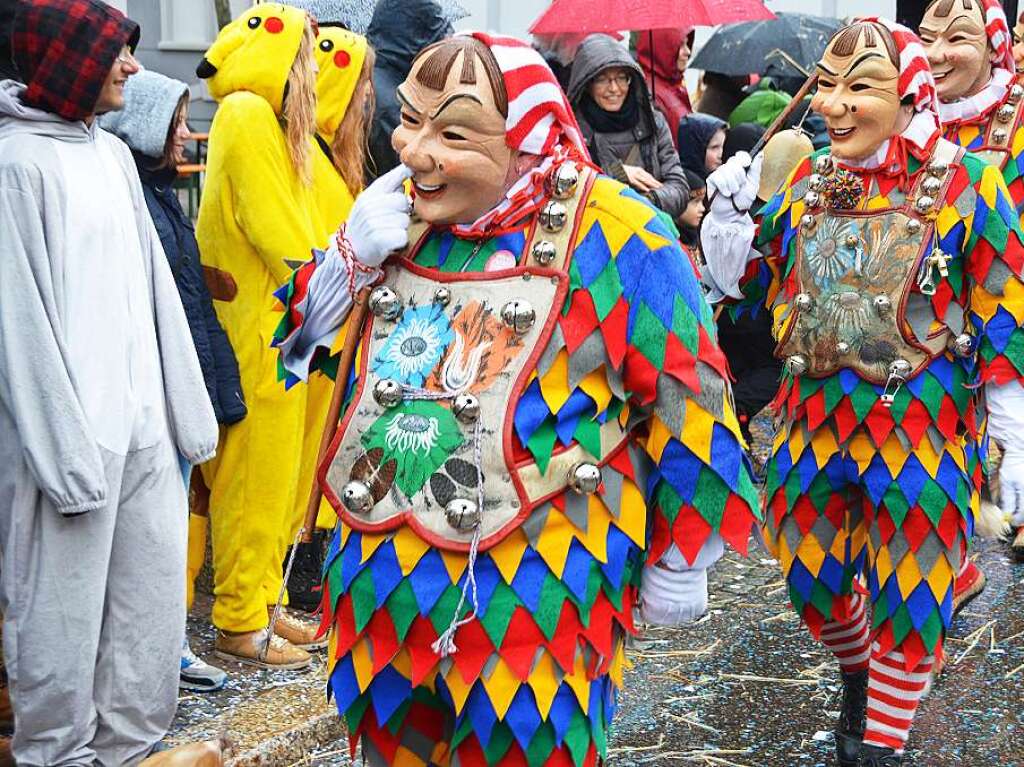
(663, 54)
(154, 125)
(701, 140)
(398, 31)
(746, 338)
(720, 94)
(101, 402)
(258, 213)
(765, 102)
(626, 136)
(689, 220)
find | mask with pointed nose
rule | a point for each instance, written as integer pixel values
(452, 132)
(958, 48)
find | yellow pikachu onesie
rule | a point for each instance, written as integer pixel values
(339, 56)
(256, 215)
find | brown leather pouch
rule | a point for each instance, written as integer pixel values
(221, 284)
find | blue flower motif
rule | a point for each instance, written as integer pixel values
(415, 347)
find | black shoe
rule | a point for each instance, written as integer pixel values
(852, 718)
(875, 756)
(305, 587)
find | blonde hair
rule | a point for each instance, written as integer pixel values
(349, 146)
(299, 113)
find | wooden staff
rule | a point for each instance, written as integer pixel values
(356, 318)
(345, 363)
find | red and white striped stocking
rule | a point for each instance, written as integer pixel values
(849, 639)
(893, 697)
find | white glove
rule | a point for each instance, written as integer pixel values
(1006, 426)
(736, 183)
(378, 223)
(674, 592)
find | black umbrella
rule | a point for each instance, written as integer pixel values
(794, 42)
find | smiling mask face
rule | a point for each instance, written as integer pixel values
(858, 93)
(958, 48)
(452, 133)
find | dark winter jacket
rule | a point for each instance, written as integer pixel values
(7, 69)
(398, 31)
(651, 134)
(216, 357)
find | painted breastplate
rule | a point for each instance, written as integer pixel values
(855, 275)
(428, 439)
(1002, 127)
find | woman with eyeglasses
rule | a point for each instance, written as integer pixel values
(627, 137)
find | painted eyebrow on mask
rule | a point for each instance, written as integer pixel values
(454, 97)
(865, 57)
(406, 102)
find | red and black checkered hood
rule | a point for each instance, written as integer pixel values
(64, 50)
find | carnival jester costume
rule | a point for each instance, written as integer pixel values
(981, 105)
(539, 424)
(892, 266)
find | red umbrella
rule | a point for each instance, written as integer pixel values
(617, 15)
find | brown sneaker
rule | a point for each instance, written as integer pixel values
(246, 648)
(299, 632)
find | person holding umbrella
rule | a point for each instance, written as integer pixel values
(664, 54)
(892, 264)
(981, 98)
(626, 136)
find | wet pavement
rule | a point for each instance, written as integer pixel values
(745, 686)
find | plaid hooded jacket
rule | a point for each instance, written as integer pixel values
(64, 50)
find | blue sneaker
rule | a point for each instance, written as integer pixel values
(197, 675)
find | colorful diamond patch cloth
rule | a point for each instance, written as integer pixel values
(535, 674)
(856, 487)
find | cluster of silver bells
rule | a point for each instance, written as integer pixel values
(1006, 113)
(517, 314)
(962, 346)
(463, 514)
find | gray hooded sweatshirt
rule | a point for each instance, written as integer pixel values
(95, 351)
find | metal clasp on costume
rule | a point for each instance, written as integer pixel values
(926, 277)
(898, 372)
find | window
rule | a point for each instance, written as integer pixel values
(191, 25)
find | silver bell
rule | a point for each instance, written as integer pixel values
(963, 345)
(356, 497)
(796, 364)
(1005, 113)
(442, 296)
(804, 301)
(999, 136)
(852, 241)
(931, 185)
(565, 181)
(807, 222)
(462, 514)
(1016, 92)
(544, 252)
(900, 369)
(466, 408)
(924, 203)
(937, 168)
(519, 315)
(385, 303)
(584, 478)
(823, 164)
(387, 393)
(842, 348)
(553, 217)
(913, 226)
(816, 182)
(883, 305)
(812, 199)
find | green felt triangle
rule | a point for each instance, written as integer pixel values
(542, 443)
(932, 500)
(364, 598)
(863, 398)
(880, 610)
(833, 393)
(901, 624)
(354, 714)
(403, 608)
(463, 731)
(553, 596)
(541, 746)
(932, 630)
(648, 336)
(577, 738)
(606, 290)
(713, 494)
(896, 504)
(588, 434)
(501, 741)
(499, 613)
(823, 599)
(668, 501)
(443, 612)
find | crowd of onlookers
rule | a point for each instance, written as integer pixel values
(641, 125)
